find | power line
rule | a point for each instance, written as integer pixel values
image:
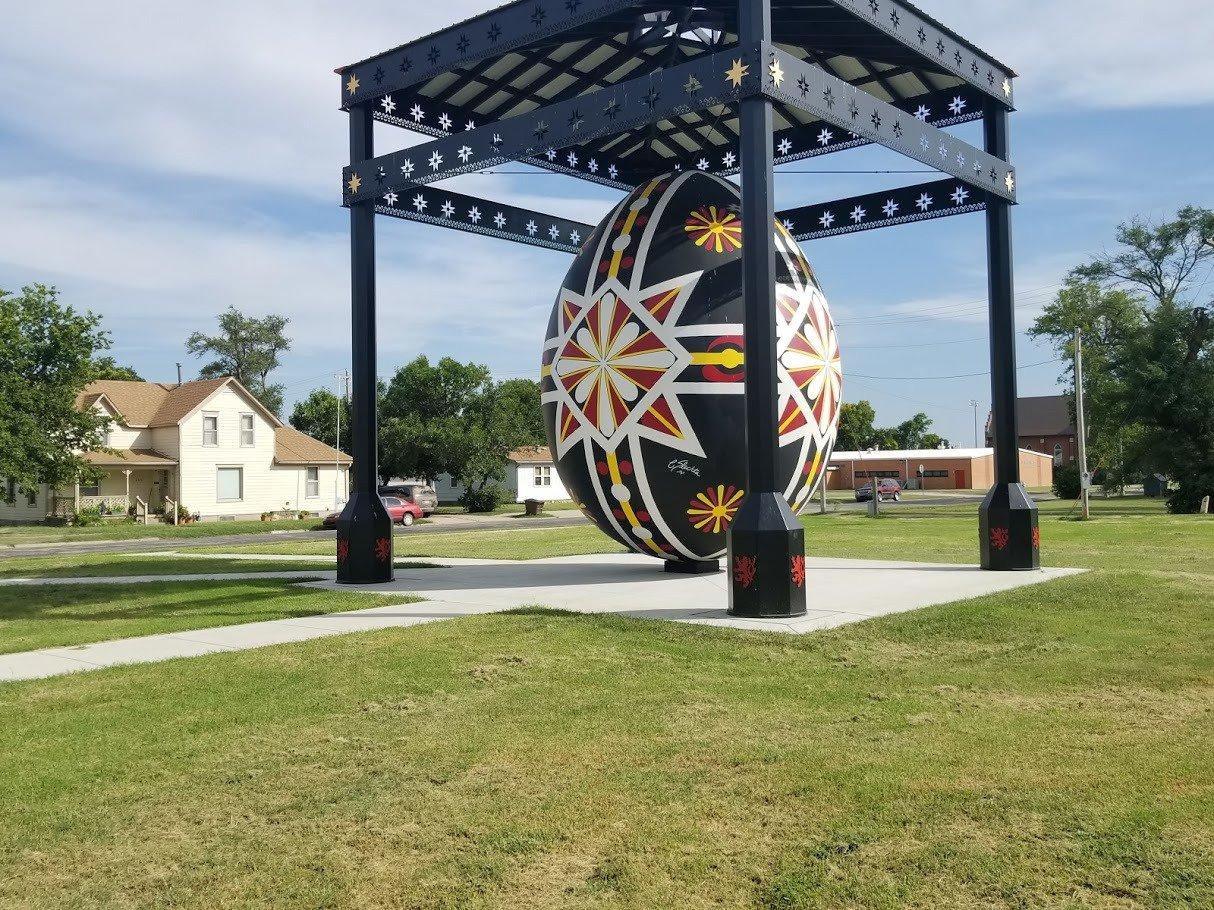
(1024, 366)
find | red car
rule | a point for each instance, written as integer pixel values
(887, 489)
(401, 511)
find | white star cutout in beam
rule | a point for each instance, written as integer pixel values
(474, 215)
(943, 150)
(445, 122)
(417, 113)
(419, 202)
(957, 105)
(702, 164)
(435, 160)
(785, 146)
(827, 219)
(554, 232)
(1007, 87)
(575, 237)
(825, 136)
(960, 160)
(924, 202)
(499, 221)
(572, 159)
(729, 159)
(592, 165)
(407, 168)
(613, 172)
(1009, 181)
(923, 113)
(890, 208)
(469, 126)
(857, 214)
(464, 153)
(532, 227)
(924, 143)
(448, 209)
(390, 198)
(978, 168)
(387, 104)
(960, 194)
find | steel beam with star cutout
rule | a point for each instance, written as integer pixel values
(695, 85)
(475, 215)
(808, 88)
(920, 202)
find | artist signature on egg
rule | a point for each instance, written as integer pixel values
(682, 466)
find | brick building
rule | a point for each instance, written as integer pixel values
(943, 469)
(1045, 425)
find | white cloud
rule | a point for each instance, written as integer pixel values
(1094, 53)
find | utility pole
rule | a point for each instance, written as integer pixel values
(974, 405)
(1080, 428)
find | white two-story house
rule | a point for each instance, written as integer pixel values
(208, 445)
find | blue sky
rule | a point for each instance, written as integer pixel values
(160, 161)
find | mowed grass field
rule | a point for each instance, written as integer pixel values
(1046, 747)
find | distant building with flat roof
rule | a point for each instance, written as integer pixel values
(935, 469)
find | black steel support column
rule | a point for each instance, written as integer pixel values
(766, 541)
(364, 530)
(1008, 532)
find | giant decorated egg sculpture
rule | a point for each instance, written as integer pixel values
(643, 368)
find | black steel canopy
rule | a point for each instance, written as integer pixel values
(619, 92)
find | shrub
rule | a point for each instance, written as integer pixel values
(1066, 482)
(86, 517)
(1187, 499)
(486, 499)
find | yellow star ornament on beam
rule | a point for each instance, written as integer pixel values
(777, 73)
(352, 84)
(736, 73)
(354, 183)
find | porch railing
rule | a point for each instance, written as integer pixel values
(65, 506)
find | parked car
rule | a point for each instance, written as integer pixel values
(887, 488)
(400, 511)
(421, 495)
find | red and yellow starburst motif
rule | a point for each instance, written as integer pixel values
(715, 228)
(797, 570)
(813, 363)
(999, 538)
(610, 362)
(714, 509)
(383, 548)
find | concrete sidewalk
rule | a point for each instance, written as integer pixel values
(841, 591)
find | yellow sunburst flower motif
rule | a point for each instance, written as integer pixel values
(737, 72)
(713, 510)
(354, 183)
(715, 229)
(352, 84)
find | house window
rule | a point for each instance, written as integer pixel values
(1057, 453)
(312, 483)
(31, 499)
(210, 429)
(90, 489)
(229, 484)
(246, 429)
(543, 475)
(11, 494)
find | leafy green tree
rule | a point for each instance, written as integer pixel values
(1136, 303)
(317, 416)
(856, 426)
(107, 368)
(46, 358)
(501, 418)
(246, 348)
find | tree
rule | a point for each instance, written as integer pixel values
(246, 348)
(1137, 307)
(46, 358)
(500, 419)
(107, 368)
(317, 416)
(856, 426)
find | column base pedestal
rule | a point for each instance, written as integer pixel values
(1008, 536)
(693, 567)
(766, 560)
(364, 542)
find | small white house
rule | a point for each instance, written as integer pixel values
(208, 445)
(530, 474)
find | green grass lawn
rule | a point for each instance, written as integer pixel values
(52, 615)
(122, 530)
(115, 564)
(1045, 747)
